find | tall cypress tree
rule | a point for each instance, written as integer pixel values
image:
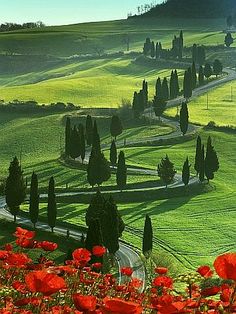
(147, 237)
(197, 164)
(116, 127)
(121, 174)
(202, 165)
(96, 145)
(158, 88)
(82, 143)
(94, 234)
(113, 153)
(52, 205)
(207, 70)
(186, 172)
(15, 189)
(145, 93)
(195, 53)
(181, 44)
(172, 85)
(159, 106)
(67, 136)
(34, 199)
(194, 75)
(75, 144)
(211, 161)
(187, 84)
(165, 89)
(89, 130)
(135, 105)
(166, 170)
(176, 83)
(153, 50)
(183, 118)
(201, 75)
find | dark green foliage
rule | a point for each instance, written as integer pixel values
(207, 70)
(153, 50)
(89, 130)
(94, 234)
(158, 50)
(202, 165)
(198, 155)
(195, 53)
(67, 136)
(176, 80)
(183, 118)
(145, 93)
(15, 189)
(201, 76)
(113, 153)
(165, 89)
(52, 205)
(211, 161)
(187, 86)
(98, 170)
(34, 199)
(172, 85)
(82, 142)
(110, 220)
(198, 54)
(159, 106)
(96, 145)
(194, 76)
(166, 170)
(115, 126)
(186, 172)
(75, 144)
(121, 174)
(158, 88)
(217, 67)
(147, 237)
(228, 40)
(147, 47)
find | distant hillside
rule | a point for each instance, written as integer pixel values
(193, 9)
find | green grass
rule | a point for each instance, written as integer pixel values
(6, 236)
(222, 109)
(193, 229)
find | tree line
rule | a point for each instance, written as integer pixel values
(6, 27)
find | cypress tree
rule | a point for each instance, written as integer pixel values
(52, 205)
(202, 165)
(172, 85)
(217, 67)
(197, 164)
(165, 89)
(201, 76)
(89, 130)
(15, 189)
(115, 126)
(166, 170)
(147, 237)
(187, 84)
(228, 40)
(201, 55)
(176, 80)
(181, 44)
(159, 106)
(194, 76)
(67, 136)
(158, 88)
(145, 94)
(186, 172)
(195, 53)
(96, 145)
(34, 199)
(153, 50)
(183, 118)
(207, 71)
(121, 174)
(113, 153)
(94, 234)
(158, 52)
(82, 143)
(211, 161)
(135, 105)
(75, 145)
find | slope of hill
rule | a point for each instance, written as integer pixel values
(193, 9)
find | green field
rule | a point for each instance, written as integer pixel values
(221, 107)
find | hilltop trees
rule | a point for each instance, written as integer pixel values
(15, 188)
(34, 199)
(211, 161)
(121, 174)
(52, 205)
(115, 126)
(228, 40)
(166, 170)
(147, 237)
(186, 172)
(183, 118)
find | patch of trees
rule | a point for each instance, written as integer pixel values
(6, 27)
(34, 106)
(140, 100)
(198, 54)
(155, 50)
(228, 40)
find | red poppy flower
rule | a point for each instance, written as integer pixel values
(18, 259)
(161, 270)
(205, 271)
(207, 292)
(82, 256)
(3, 254)
(85, 302)
(26, 243)
(20, 232)
(47, 246)
(99, 250)
(225, 266)
(97, 265)
(119, 306)
(127, 271)
(8, 247)
(42, 281)
(163, 281)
